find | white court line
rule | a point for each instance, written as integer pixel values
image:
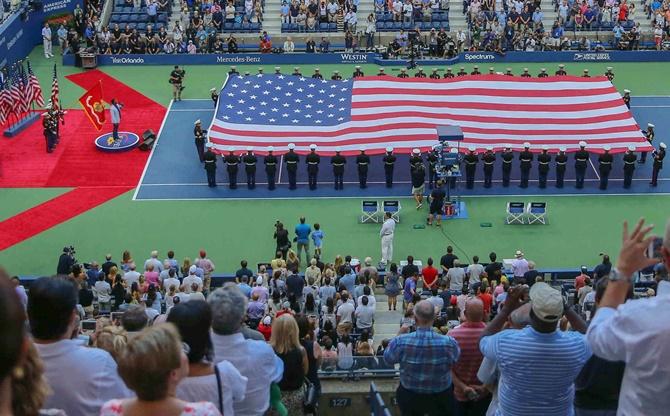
(146, 166)
(192, 110)
(650, 106)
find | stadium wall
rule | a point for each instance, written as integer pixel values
(364, 58)
(22, 31)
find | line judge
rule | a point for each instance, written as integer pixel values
(386, 234)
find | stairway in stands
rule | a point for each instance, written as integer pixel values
(272, 19)
(387, 323)
(175, 16)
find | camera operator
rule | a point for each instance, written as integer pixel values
(66, 261)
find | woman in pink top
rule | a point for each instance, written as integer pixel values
(150, 276)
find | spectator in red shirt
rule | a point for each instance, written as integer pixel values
(486, 299)
(429, 274)
(472, 398)
(580, 281)
(265, 327)
(266, 44)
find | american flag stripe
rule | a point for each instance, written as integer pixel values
(491, 110)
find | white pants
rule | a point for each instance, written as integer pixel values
(387, 248)
(47, 47)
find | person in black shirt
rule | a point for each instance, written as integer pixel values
(420, 73)
(471, 160)
(291, 159)
(410, 269)
(233, 71)
(462, 72)
(437, 204)
(65, 262)
(543, 160)
(603, 269)
(432, 163)
(586, 74)
(475, 70)
(296, 72)
(232, 161)
(310, 46)
(418, 187)
(434, 74)
(525, 73)
(581, 159)
(447, 261)
(336, 76)
(658, 156)
(250, 161)
(381, 72)
(561, 161)
(282, 239)
(232, 44)
(531, 275)
(215, 96)
(199, 134)
(448, 74)
(358, 73)
(489, 159)
(494, 268)
(415, 159)
(561, 70)
(317, 74)
(543, 73)
(526, 158)
(605, 167)
(507, 157)
(649, 134)
(177, 80)
(210, 165)
(609, 74)
(362, 162)
(108, 264)
(312, 161)
(508, 72)
(270, 162)
(629, 160)
(626, 98)
(389, 161)
(338, 161)
(403, 73)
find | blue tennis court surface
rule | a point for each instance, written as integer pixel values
(173, 171)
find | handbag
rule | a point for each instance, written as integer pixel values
(311, 397)
(218, 385)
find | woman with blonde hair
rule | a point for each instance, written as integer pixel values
(112, 339)
(292, 262)
(186, 264)
(153, 364)
(285, 341)
(339, 262)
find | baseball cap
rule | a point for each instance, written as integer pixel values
(267, 320)
(192, 269)
(546, 302)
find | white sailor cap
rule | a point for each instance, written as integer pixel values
(316, 70)
(562, 148)
(212, 90)
(543, 69)
(609, 68)
(626, 91)
(582, 143)
(358, 67)
(449, 69)
(434, 69)
(381, 69)
(491, 68)
(277, 68)
(489, 148)
(525, 70)
(607, 148)
(233, 67)
(545, 147)
(295, 68)
(197, 122)
(260, 69)
(631, 147)
(416, 151)
(291, 146)
(586, 70)
(650, 125)
(403, 69)
(271, 148)
(209, 145)
(246, 73)
(338, 149)
(507, 146)
(336, 72)
(471, 148)
(312, 147)
(249, 148)
(662, 145)
(526, 145)
(561, 66)
(389, 149)
(420, 68)
(362, 149)
(508, 69)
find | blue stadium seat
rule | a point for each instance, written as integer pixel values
(141, 27)
(397, 26)
(227, 26)
(159, 26)
(323, 27)
(132, 26)
(332, 27)
(445, 25)
(246, 26)
(570, 25)
(237, 27)
(380, 26)
(255, 27)
(293, 27)
(627, 25)
(379, 17)
(606, 26)
(124, 18)
(407, 26)
(388, 26)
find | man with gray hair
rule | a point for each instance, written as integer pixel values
(634, 331)
(253, 359)
(456, 276)
(158, 266)
(426, 359)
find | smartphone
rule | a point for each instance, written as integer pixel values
(654, 249)
(88, 325)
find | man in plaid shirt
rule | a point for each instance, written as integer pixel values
(426, 359)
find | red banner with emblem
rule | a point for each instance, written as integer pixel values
(93, 105)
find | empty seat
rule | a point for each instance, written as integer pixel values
(323, 27)
(332, 27)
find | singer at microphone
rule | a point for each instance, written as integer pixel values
(115, 111)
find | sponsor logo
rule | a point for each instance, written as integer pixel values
(131, 61)
(238, 59)
(599, 56)
(479, 57)
(12, 41)
(354, 57)
(55, 5)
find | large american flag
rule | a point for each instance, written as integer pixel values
(376, 112)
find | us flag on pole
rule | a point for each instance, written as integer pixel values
(34, 88)
(376, 112)
(16, 92)
(54, 89)
(5, 102)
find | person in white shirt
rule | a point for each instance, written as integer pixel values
(171, 281)
(397, 10)
(474, 271)
(456, 276)
(631, 331)
(386, 234)
(365, 315)
(407, 10)
(332, 7)
(102, 291)
(254, 359)
(46, 41)
(81, 379)
(519, 265)
(289, 46)
(193, 321)
(131, 276)
(188, 281)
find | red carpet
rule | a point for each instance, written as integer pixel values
(98, 176)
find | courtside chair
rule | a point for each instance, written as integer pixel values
(515, 213)
(369, 211)
(536, 212)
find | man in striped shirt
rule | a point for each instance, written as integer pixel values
(472, 398)
(539, 381)
(426, 359)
